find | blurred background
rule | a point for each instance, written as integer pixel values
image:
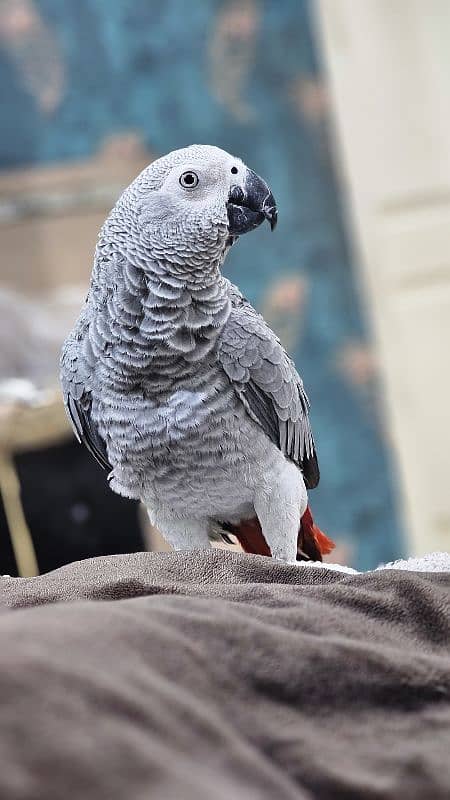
(344, 108)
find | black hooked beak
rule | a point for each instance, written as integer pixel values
(250, 205)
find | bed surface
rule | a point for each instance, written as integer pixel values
(215, 675)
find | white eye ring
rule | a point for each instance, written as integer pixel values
(189, 180)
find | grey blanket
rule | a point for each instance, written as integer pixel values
(220, 676)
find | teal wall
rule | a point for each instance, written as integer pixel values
(245, 76)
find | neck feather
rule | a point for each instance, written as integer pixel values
(155, 313)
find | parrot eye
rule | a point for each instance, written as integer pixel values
(189, 180)
(234, 170)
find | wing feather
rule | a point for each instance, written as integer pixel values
(77, 362)
(268, 384)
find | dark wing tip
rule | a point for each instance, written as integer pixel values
(87, 433)
(310, 469)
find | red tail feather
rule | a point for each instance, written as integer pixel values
(312, 542)
(311, 539)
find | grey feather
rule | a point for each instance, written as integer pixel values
(76, 366)
(265, 379)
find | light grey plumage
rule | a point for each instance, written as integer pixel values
(171, 378)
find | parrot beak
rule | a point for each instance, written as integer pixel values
(250, 205)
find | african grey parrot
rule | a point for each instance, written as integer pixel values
(175, 383)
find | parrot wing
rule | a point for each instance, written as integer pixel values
(77, 362)
(268, 384)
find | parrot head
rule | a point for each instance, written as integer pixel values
(200, 193)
